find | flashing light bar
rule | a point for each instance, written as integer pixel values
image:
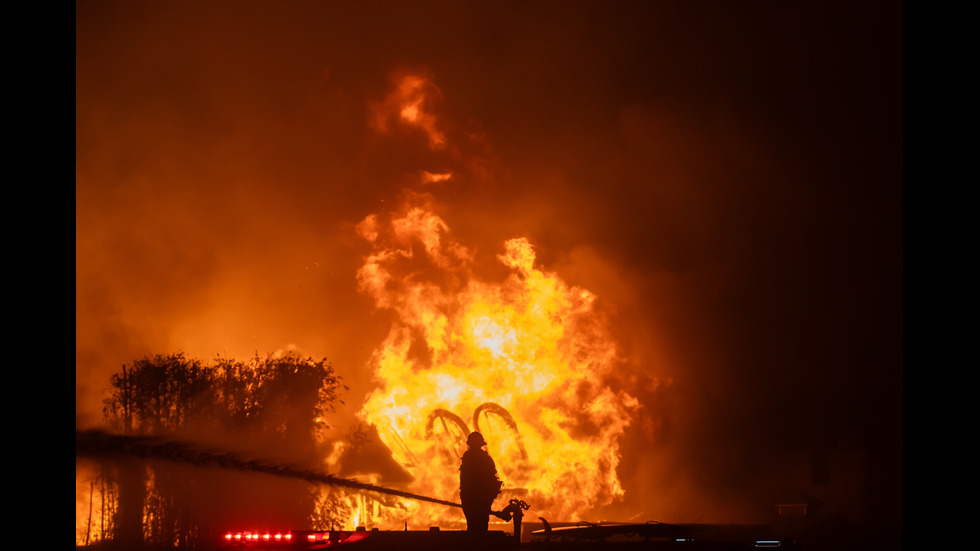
(255, 537)
(269, 539)
(768, 543)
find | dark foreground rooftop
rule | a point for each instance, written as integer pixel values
(587, 537)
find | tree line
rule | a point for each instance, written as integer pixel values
(272, 407)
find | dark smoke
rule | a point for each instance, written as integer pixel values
(101, 444)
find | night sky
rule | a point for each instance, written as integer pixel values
(725, 176)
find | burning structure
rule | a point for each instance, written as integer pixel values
(643, 251)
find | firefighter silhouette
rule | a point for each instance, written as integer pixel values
(478, 483)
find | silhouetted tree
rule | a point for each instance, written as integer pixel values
(152, 396)
(293, 397)
(157, 395)
(276, 404)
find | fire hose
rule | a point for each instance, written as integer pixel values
(96, 443)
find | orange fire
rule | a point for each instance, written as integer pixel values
(521, 360)
(409, 103)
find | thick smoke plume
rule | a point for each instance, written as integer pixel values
(726, 177)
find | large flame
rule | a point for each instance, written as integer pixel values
(522, 360)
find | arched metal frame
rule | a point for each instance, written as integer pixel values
(448, 419)
(499, 410)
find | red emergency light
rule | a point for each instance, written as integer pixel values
(256, 537)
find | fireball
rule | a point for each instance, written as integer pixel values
(521, 360)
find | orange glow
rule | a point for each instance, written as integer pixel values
(727, 184)
(431, 177)
(522, 360)
(409, 104)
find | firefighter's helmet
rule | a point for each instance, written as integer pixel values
(475, 439)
